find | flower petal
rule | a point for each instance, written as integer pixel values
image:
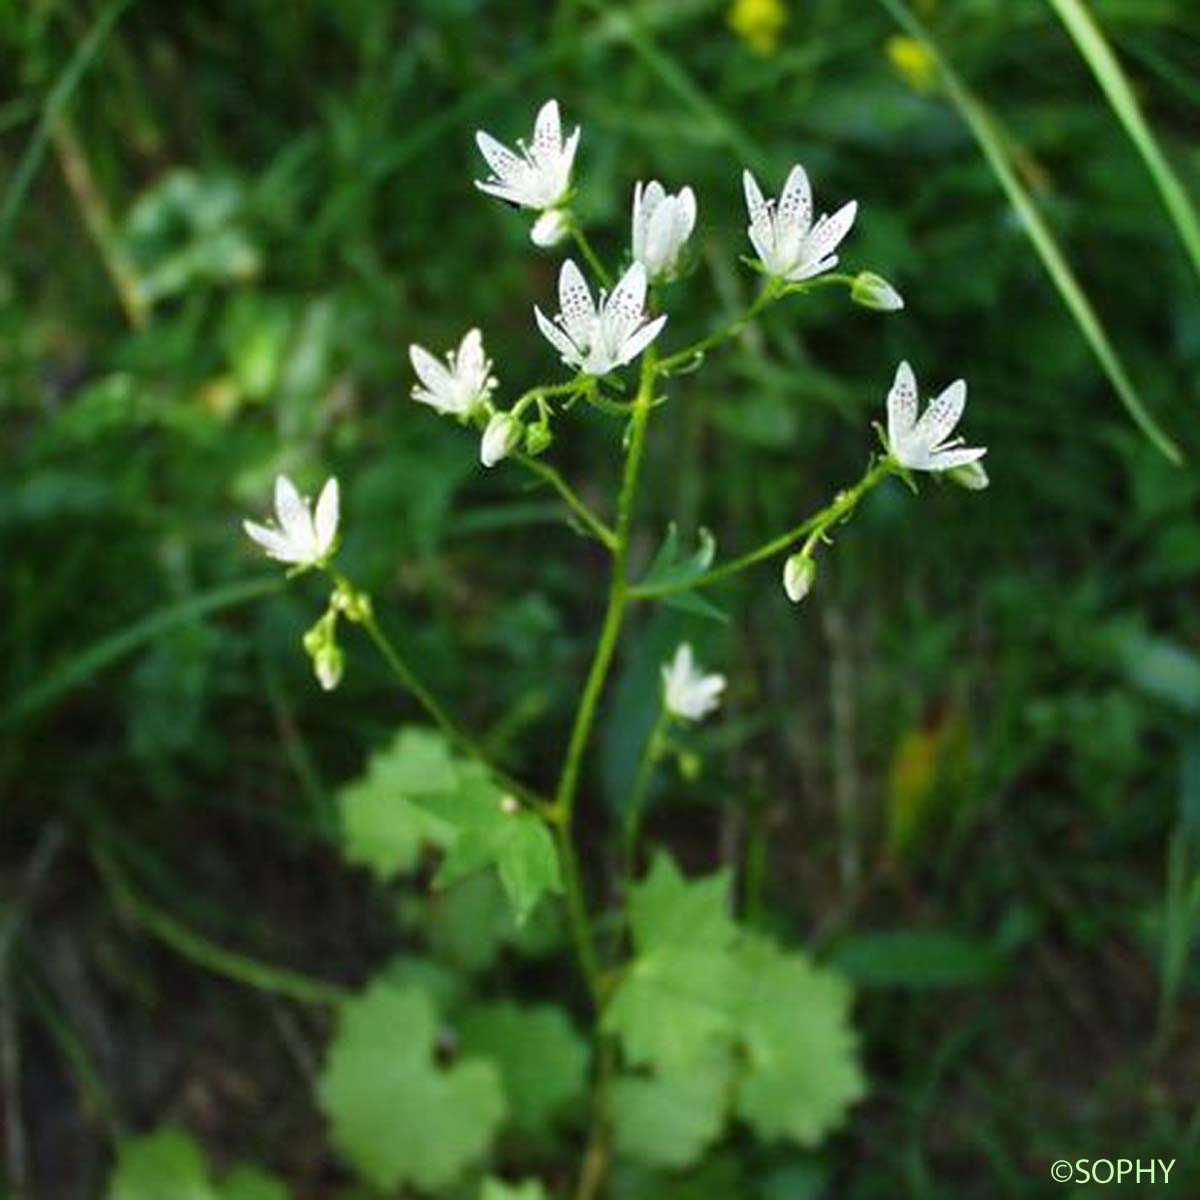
(902, 407)
(504, 163)
(272, 541)
(795, 202)
(293, 516)
(571, 354)
(633, 345)
(430, 372)
(547, 133)
(624, 308)
(575, 303)
(947, 460)
(939, 419)
(828, 232)
(328, 510)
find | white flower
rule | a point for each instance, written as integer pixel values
(789, 245)
(501, 437)
(459, 387)
(537, 177)
(921, 444)
(686, 692)
(299, 538)
(598, 339)
(661, 225)
(873, 291)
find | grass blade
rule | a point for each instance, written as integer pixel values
(56, 101)
(1094, 47)
(78, 670)
(987, 133)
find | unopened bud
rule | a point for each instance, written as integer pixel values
(537, 439)
(328, 663)
(550, 228)
(501, 437)
(799, 572)
(873, 291)
(971, 476)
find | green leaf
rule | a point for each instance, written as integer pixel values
(669, 1120)
(677, 994)
(381, 826)
(529, 1189)
(164, 1163)
(168, 1165)
(491, 829)
(399, 1117)
(249, 1183)
(917, 958)
(802, 1070)
(673, 566)
(542, 1059)
(469, 923)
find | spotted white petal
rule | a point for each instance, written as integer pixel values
(942, 415)
(558, 338)
(902, 405)
(577, 310)
(925, 444)
(537, 176)
(623, 310)
(795, 202)
(633, 345)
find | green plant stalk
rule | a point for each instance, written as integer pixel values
(571, 498)
(585, 248)
(1094, 47)
(987, 133)
(426, 699)
(562, 812)
(238, 967)
(844, 503)
(771, 290)
(651, 753)
(79, 669)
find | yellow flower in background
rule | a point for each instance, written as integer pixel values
(914, 62)
(759, 23)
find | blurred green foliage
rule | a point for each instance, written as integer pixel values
(964, 772)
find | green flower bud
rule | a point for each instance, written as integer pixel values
(873, 291)
(328, 663)
(799, 572)
(971, 476)
(537, 439)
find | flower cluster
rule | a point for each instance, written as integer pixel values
(598, 332)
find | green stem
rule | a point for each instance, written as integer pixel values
(425, 698)
(571, 498)
(843, 505)
(651, 752)
(771, 291)
(585, 248)
(259, 975)
(562, 812)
